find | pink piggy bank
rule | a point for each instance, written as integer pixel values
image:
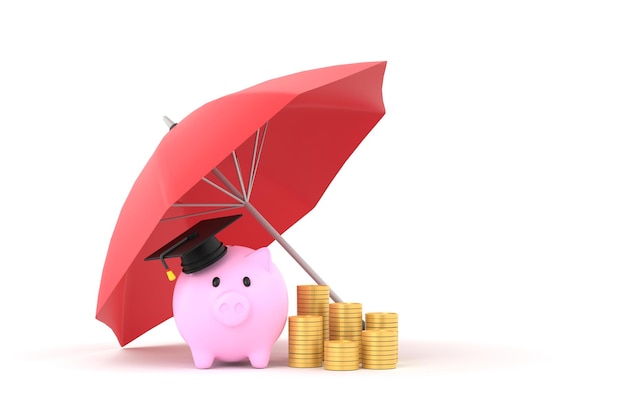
(233, 310)
(230, 302)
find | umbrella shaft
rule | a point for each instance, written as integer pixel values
(289, 249)
(277, 236)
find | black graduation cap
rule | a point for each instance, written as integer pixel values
(197, 246)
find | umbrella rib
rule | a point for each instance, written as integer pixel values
(250, 180)
(278, 237)
(256, 158)
(239, 175)
(234, 206)
(227, 205)
(231, 195)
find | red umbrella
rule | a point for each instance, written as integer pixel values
(269, 151)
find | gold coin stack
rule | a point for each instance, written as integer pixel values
(345, 322)
(383, 321)
(341, 355)
(306, 341)
(379, 349)
(313, 300)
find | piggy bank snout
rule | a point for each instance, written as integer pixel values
(231, 308)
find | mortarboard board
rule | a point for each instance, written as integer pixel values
(197, 246)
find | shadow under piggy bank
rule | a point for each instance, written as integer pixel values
(179, 356)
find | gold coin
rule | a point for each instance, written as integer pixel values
(381, 326)
(370, 327)
(330, 367)
(310, 355)
(381, 355)
(376, 340)
(304, 290)
(305, 348)
(370, 348)
(393, 346)
(307, 340)
(355, 322)
(354, 334)
(382, 315)
(318, 354)
(302, 357)
(304, 330)
(303, 337)
(314, 298)
(340, 354)
(330, 358)
(377, 323)
(311, 286)
(379, 346)
(374, 328)
(368, 335)
(339, 307)
(380, 332)
(313, 311)
(344, 334)
(342, 351)
(379, 342)
(313, 302)
(354, 362)
(304, 351)
(347, 321)
(311, 320)
(354, 327)
(341, 343)
(378, 364)
(373, 366)
(342, 359)
(379, 361)
(380, 319)
(305, 318)
(317, 308)
(319, 295)
(346, 314)
(299, 364)
(350, 334)
(317, 347)
(308, 325)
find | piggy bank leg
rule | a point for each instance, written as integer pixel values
(260, 358)
(202, 358)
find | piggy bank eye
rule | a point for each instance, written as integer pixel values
(246, 281)
(216, 281)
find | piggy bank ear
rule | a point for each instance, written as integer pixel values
(261, 257)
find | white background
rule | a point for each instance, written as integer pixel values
(487, 207)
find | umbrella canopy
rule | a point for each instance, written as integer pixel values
(269, 152)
